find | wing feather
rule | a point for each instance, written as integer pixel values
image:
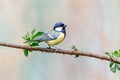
(52, 35)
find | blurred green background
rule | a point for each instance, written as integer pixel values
(93, 26)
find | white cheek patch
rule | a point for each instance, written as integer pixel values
(58, 29)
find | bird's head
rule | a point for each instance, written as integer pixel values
(60, 27)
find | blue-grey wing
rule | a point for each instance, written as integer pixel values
(48, 36)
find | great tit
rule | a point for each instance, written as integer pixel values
(55, 36)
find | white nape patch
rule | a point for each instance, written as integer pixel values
(58, 28)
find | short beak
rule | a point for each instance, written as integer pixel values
(65, 25)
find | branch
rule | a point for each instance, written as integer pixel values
(68, 52)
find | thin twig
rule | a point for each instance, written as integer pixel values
(69, 52)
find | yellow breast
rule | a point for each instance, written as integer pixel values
(56, 41)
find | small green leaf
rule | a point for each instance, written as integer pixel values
(114, 66)
(116, 54)
(28, 38)
(113, 69)
(37, 35)
(74, 48)
(108, 53)
(33, 31)
(118, 66)
(28, 34)
(34, 44)
(26, 52)
(111, 64)
(119, 50)
(24, 37)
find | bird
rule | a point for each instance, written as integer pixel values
(54, 36)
